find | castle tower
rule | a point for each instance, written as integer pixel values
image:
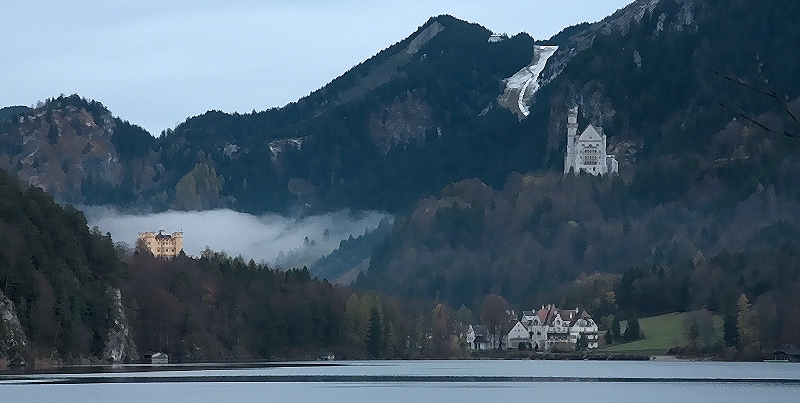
(572, 136)
(572, 122)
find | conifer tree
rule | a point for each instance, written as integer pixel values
(374, 333)
(747, 327)
(632, 330)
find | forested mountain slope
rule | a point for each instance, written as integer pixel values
(78, 152)
(382, 134)
(57, 273)
(68, 295)
(424, 113)
(702, 212)
(408, 112)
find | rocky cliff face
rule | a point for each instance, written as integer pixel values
(620, 21)
(120, 346)
(57, 147)
(14, 344)
(402, 122)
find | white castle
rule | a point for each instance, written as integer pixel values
(587, 152)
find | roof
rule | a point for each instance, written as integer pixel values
(480, 330)
(788, 351)
(590, 133)
(549, 313)
(506, 328)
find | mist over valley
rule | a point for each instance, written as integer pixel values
(271, 238)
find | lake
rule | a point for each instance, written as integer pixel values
(413, 381)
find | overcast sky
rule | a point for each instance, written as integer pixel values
(156, 63)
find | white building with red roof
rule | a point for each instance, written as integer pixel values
(550, 328)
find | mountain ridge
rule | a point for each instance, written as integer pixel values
(321, 146)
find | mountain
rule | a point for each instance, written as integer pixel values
(703, 211)
(452, 101)
(78, 152)
(378, 137)
(408, 112)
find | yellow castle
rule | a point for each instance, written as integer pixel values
(162, 245)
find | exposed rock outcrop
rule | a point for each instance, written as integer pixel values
(14, 344)
(56, 148)
(620, 20)
(119, 346)
(402, 122)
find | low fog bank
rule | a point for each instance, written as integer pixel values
(272, 238)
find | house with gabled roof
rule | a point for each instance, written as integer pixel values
(480, 338)
(518, 337)
(542, 330)
(551, 327)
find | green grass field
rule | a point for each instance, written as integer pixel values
(660, 334)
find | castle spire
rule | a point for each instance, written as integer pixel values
(572, 135)
(572, 119)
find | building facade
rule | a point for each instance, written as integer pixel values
(162, 245)
(551, 328)
(587, 152)
(547, 329)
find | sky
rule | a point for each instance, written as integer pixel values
(155, 63)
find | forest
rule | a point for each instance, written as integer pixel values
(701, 234)
(58, 277)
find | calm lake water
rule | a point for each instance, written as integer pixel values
(413, 381)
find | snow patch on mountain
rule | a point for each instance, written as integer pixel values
(522, 86)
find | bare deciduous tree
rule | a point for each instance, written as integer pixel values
(768, 91)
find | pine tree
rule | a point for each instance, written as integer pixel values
(583, 342)
(374, 333)
(731, 335)
(632, 330)
(747, 327)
